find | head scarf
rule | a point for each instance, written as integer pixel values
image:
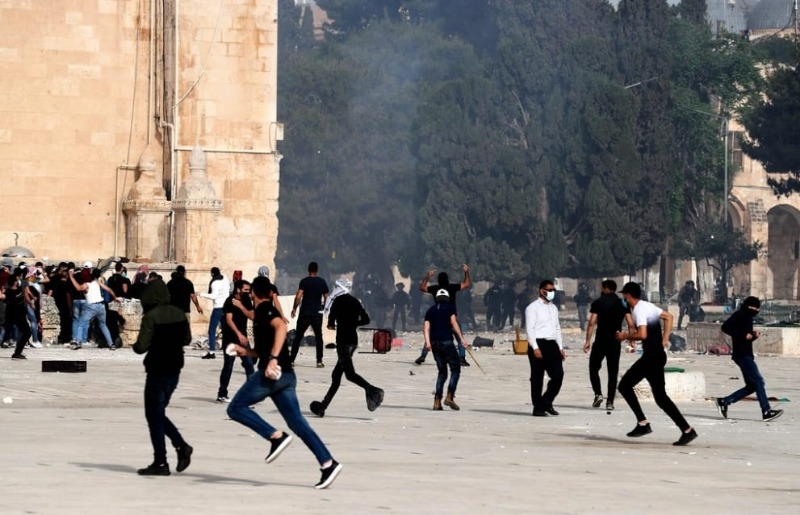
(341, 287)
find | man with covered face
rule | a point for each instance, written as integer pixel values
(345, 314)
(234, 330)
(545, 349)
(163, 335)
(740, 328)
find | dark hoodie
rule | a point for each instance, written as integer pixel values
(164, 331)
(739, 325)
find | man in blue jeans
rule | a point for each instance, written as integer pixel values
(163, 335)
(740, 328)
(276, 379)
(438, 329)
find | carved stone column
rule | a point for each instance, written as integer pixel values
(196, 209)
(147, 212)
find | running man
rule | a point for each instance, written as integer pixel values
(648, 319)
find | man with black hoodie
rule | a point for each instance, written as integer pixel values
(740, 328)
(163, 335)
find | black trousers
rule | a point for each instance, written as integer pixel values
(303, 323)
(344, 366)
(651, 367)
(610, 351)
(551, 363)
(20, 321)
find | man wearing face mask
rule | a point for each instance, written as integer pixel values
(234, 330)
(740, 328)
(545, 349)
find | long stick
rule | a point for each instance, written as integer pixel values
(471, 355)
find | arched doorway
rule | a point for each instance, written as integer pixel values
(784, 251)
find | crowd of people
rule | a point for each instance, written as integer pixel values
(82, 296)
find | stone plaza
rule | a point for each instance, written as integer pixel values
(73, 441)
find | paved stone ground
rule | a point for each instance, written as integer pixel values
(72, 443)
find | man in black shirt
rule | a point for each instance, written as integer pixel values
(346, 314)
(607, 314)
(452, 289)
(234, 330)
(740, 328)
(276, 379)
(311, 295)
(181, 292)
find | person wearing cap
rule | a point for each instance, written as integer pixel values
(218, 291)
(545, 349)
(345, 315)
(740, 328)
(452, 289)
(648, 320)
(438, 328)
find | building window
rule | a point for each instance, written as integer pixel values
(736, 149)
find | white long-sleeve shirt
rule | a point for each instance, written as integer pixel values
(220, 290)
(541, 321)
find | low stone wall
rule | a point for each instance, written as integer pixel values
(130, 309)
(774, 340)
(680, 386)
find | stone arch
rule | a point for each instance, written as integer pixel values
(783, 255)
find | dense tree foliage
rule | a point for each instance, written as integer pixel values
(501, 133)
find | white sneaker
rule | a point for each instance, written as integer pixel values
(36, 345)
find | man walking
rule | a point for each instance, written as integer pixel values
(276, 379)
(163, 335)
(607, 314)
(234, 330)
(218, 292)
(452, 289)
(181, 292)
(311, 295)
(438, 328)
(740, 328)
(345, 316)
(545, 349)
(648, 319)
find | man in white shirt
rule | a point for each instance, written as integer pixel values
(648, 319)
(218, 291)
(545, 349)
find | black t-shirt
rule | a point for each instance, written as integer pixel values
(264, 337)
(60, 291)
(239, 320)
(439, 318)
(116, 282)
(610, 313)
(452, 289)
(314, 288)
(346, 315)
(180, 292)
(15, 302)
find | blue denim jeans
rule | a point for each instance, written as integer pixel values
(213, 324)
(445, 354)
(462, 352)
(90, 312)
(753, 382)
(35, 336)
(158, 390)
(78, 305)
(256, 389)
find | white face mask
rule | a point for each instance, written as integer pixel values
(550, 295)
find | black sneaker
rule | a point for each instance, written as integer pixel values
(19, 355)
(209, 355)
(223, 398)
(772, 414)
(464, 362)
(641, 430)
(420, 360)
(155, 470)
(686, 438)
(77, 346)
(374, 399)
(317, 408)
(184, 457)
(329, 475)
(722, 408)
(609, 407)
(552, 411)
(598, 400)
(278, 445)
(539, 413)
